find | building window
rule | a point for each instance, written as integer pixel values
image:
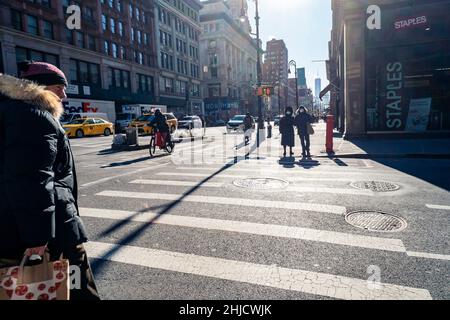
(144, 83)
(112, 25)
(114, 50)
(118, 78)
(46, 3)
(32, 25)
(92, 43)
(48, 29)
(73, 72)
(106, 47)
(69, 36)
(89, 14)
(84, 72)
(123, 55)
(104, 23)
(80, 39)
(16, 20)
(27, 54)
(120, 28)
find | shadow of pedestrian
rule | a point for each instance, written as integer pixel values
(99, 263)
(287, 162)
(308, 163)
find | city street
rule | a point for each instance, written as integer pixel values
(213, 221)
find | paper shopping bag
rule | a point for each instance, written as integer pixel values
(48, 280)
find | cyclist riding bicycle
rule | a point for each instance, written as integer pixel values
(160, 123)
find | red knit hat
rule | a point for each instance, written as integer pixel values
(42, 73)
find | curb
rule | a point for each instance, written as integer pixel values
(389, 156)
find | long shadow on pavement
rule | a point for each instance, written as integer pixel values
(99, 263)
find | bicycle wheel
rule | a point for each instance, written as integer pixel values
(169, 147)
(152, 147)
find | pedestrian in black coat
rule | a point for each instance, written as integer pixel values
(38, 185)
(287, 131)
(302, 120)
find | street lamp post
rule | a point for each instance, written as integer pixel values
(293, 63)
(259, 80)
(258, 70)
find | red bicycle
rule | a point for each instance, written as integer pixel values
(159, 140)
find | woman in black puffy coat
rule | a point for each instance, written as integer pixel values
(287, 131)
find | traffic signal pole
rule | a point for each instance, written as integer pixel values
(258, 71)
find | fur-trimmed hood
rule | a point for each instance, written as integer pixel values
(30, 92)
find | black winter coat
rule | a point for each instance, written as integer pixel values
(161, 123)
(287, 131)
(301, 122)
(38, 188)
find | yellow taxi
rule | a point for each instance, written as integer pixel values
(88, 127)
(142, 121)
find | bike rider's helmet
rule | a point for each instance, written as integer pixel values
(158, 112)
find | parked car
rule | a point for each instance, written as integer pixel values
(276, 121)
(220, 123)
(123, 120)
(142, 123)
(193, 125)
(190, 122)
(88, 127)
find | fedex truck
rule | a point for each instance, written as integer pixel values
(140, 109)
(91, 107)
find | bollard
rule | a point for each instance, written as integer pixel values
(329, 135)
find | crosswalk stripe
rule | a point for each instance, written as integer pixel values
(291, 188)
(339, 238)
(235, 176)
(428, 255)
(310, 282)
(278, 169)
(323, 208)
(434, 206)
(177, 183)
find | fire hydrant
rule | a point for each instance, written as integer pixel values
(329, 136)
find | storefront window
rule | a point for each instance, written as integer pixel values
(408, 75)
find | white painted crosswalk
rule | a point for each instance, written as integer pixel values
(291, 188)
(232, 268)
(305, 281)
(323, 208)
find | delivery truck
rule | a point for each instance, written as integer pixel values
(104, 109)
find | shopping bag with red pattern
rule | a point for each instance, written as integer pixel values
(48, 280)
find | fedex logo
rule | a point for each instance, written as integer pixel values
(85, 107)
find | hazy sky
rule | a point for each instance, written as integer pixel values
(305, 27)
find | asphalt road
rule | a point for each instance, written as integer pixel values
(220, 220)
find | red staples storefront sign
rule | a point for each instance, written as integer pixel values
(405, 23)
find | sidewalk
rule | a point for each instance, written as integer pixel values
(379, 148)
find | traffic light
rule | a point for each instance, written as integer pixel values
(264, 91)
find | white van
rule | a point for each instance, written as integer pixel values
(69, 117)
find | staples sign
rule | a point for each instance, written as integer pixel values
(410, 22)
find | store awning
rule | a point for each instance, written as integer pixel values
(328, 89)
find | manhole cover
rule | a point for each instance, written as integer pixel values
(376, 221)
(261, 183)
(376, 186)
